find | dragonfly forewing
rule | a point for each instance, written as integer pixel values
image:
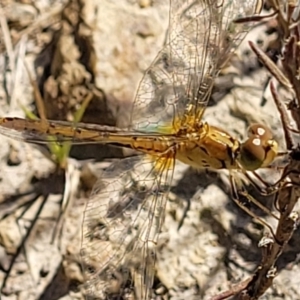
(201, 38)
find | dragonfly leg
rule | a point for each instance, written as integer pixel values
(235, 197)
(272, 189)
(267, 189)
(186, 210)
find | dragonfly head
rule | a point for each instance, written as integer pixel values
(259, 150)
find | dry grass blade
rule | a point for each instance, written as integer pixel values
(233, 291)
(283, 115)
(255, 18)
(271, 66)
(7, 39)
(37, 96)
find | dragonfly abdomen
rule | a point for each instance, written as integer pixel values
(44, 131)
(150, 145)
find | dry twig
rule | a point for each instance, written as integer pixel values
(288, 187)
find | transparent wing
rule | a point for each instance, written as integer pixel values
(121, 224)
(200, 40)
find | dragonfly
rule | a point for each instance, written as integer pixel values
(125, 212)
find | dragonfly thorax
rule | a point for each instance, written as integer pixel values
(211, 148)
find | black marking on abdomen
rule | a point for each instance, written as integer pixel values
(128, 146)
(223, 164)
(205, 164)
(189, 158)
(204, 150)
(230, 154)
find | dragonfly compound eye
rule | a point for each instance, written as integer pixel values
(264, 133)
(252, 153)
(257, 151)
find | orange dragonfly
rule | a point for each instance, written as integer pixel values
(125, 213)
